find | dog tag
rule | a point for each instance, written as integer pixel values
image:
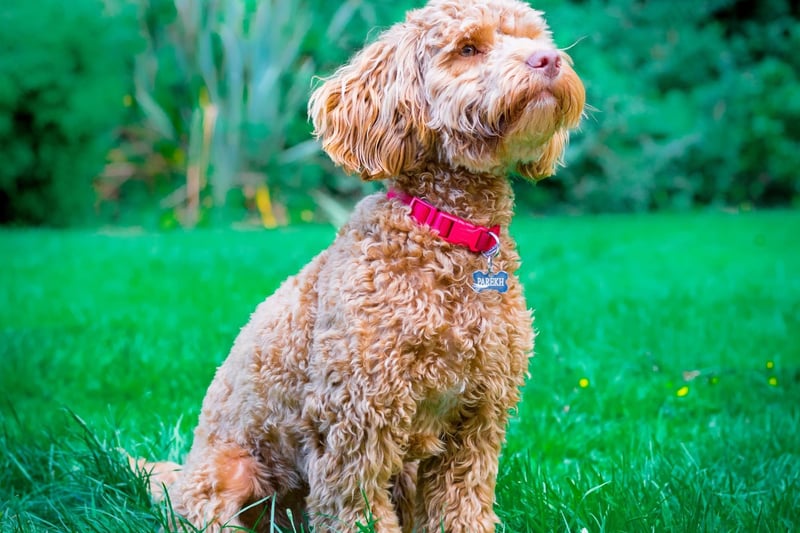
(490, 280)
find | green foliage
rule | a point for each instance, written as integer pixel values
(682, 326)
(63, 74)
(224, 87)
(691, 103)
(230, 62)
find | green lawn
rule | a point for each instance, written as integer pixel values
(664, 395)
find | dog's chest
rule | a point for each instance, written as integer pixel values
(433, 419)
(441, 405)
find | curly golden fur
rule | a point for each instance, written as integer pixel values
(377, 374)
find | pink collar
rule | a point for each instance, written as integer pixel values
(451, 228)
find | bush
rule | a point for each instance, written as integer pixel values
(63, 75)
(692, 104)
(222, 90)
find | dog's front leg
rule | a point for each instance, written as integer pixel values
(455, 490)
(350, 481)
(360, 424)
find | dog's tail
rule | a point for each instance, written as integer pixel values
(160, 475)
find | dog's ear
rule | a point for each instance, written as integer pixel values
(552, 156)
(369, 115)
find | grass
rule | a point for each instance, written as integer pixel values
(664, 395)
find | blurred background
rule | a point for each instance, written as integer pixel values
(182, 113)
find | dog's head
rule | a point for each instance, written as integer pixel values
(464, 83)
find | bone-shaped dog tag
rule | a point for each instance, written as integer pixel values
(489, 281)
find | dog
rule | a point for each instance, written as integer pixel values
(375, 385)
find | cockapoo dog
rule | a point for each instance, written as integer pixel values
(376, 384)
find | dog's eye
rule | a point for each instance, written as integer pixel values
(469, 50)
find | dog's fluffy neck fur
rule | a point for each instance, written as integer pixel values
(482, 199)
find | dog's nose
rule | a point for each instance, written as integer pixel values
(548, 62)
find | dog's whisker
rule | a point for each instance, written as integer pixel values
(574, 43)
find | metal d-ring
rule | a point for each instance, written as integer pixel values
(494, 250)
